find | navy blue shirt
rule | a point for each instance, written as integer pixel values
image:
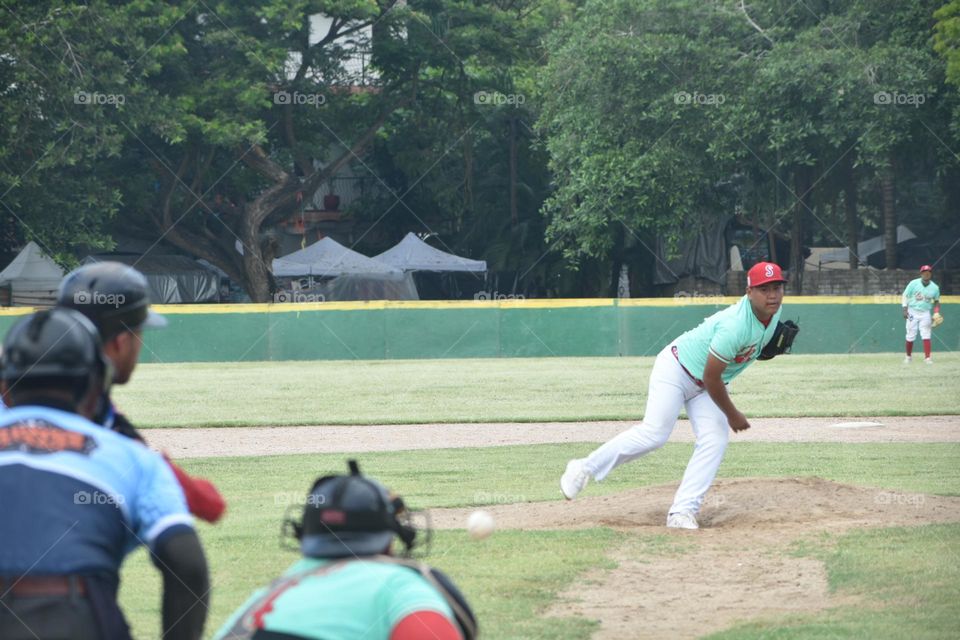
(76, 498)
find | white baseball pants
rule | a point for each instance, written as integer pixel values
(918, 319)
(670, 389)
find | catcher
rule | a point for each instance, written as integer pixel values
(692, 372)
(349, 585)
(921, 295)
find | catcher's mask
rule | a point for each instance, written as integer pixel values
(349, 516)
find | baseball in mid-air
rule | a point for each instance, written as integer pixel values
(480, 525)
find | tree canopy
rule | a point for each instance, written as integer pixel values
(556, 139)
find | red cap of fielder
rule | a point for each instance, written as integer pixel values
(926, 267)
(764, 272)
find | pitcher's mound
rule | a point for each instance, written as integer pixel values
(803, 504)
(733, 570)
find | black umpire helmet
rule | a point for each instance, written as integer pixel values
(55, 347)
(351, 515)
(114, 296)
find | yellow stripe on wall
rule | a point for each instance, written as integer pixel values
(538, 303)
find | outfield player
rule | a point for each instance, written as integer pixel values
(116, 299)
(77, 498)
(921, 296)
(348, 585)
(692, 372)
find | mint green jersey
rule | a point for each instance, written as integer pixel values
(919, 297)
(360, 599)
(735, 336)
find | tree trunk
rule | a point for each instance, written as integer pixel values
(514, 218)
(801, 182)
(257, 275)
(617, 261)
(889, 217)
(467, 179)
(850, 204)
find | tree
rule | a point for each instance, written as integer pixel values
(817, 99)
(234, 114)
(632, 96)
(55, 129)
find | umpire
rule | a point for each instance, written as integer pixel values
(349, 586)
(115, 297)
(77, 498)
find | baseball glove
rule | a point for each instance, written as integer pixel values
(937, 319)
(782, 340)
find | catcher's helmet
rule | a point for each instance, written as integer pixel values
(349, 516)
(56, 345)
(112, 295)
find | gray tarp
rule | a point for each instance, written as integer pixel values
(345, 288)
(865, 248)
(413, 254)
(172, 279)
(703, 255)
(33, 278)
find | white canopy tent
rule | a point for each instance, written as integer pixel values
(328, 258)
(33, 278)
(345, 274)
(413, 254)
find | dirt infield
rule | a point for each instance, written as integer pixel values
(259, 441)
(734, 569)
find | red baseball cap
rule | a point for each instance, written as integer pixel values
(926, 267)
(764, 272)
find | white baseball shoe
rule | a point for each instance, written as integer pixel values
(682, 520)
(574, 479)
(927, 361)
(907, 360)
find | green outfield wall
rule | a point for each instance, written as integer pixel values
(507, 329)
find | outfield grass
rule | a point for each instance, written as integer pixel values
(518, 390)
(514, 576)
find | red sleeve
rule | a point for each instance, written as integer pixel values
(425, 624)
(203, 499)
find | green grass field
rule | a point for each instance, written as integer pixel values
(518, 390)
(514, 575)
(906, 578)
